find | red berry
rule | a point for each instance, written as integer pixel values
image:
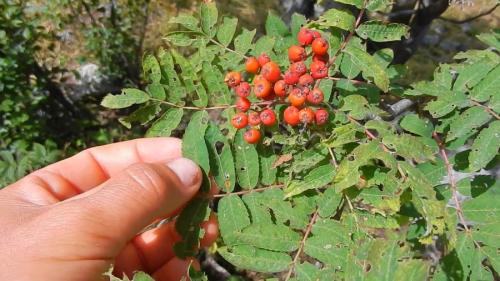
(263, 59)
(319, 70)
(252, 136)
(243, 89)
(252, 65)
(253, 118)
(320, 46)
(315, 96)
(321, 116)
(305, 36)
(291, 115)
(239, 120)
(280, 88)
(298, 67)
(291, 78)
(233, 79)
(261, 87)
(306, 80)
(324, 58)
(268, 117)
(316, 34)
(296, 53)
(297, 97)
(271, 71)
(306, 115)
(243, 104)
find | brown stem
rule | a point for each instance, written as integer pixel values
(265, 103)
(302, 244)
(356, 82)
(486, 108)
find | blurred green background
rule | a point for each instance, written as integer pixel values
(59, 58)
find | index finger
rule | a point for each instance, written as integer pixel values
(93, 166)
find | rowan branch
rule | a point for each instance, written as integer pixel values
(243, 192)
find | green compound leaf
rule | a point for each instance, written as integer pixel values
(378, 5)
(168, 122)
(485, 147)
(193, 142)
(381, 32)
(272, 237)
(142, 115)
(416, 125)
(342, 19)
(283, 210)
(348, 173)
(329, 202)
(188, 227)
(446, 103)
(308, 272)
(214, 80)
(180, 39)
(329, 243)
(233, 218)
(251, 258)
(247, 162)
(297, 22)
(412, 270)
(227, 30)
(275, 26)
(157, 91)
(176, 92)
(357, 3)
(190, 80)
(357, 106)
(369, 66)
(317, 178)
(243, 42)
(259, 214)
(469, 121)
(267, 157)
(309, 158)
(186, 20)
(487, 87)
(151, 69)
(491, 38)
(127, 98)
(471, 74)
(208, 15)
(410, 147)
(344, 134)
(221, 158)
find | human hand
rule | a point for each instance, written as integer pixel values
(73, 219)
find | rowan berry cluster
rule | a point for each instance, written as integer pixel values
(297, 86)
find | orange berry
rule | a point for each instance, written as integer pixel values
(320, 46)
(298, 67)
(280, 88)
(243, 89)
(321, 116)
(243, 104)
(252, 136)
(263, 59)
(306, 115)
(271, 71)
(268, 117)
(239, 120)
(318, 70)
(306, 80)
(291, 116)
(262, 88)
(296, 97)
(252, 65)
(253, 118)
(233, 79)
(315, 96)
(305, 36)
(296, 53)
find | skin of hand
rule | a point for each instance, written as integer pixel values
(73, 219)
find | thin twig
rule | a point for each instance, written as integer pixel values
(333, 158)
(302, 244)
(414, 14)
(489, 11)
(227, 49)
(451, 179)
(486, 108)
(266, 103)
(249, 191)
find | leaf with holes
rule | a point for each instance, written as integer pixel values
(381, 32)
(193, 142)
(127, 98)
(247, 162)
(221, 158)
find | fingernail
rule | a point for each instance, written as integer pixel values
(186, 170)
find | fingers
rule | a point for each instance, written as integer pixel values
(175, 270)
(154, 248)
(93, 166)
(132, 199)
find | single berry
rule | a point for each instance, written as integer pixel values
(271, 71)
(319, 70)
(268, 117)
(262, 88)
(296, 53)
(306, 80)
(291, 78)
(243, 89)
(320, 46)
(263, 59)
(315, 96)
(323, 58)
(305, 37)
(298, 67)
(316, 34)
(239, 120)
(306, 115)
(253, 118)
(297, 97)
(291, 116)
(252, 136)
(321, 116)
(280, 88)
(243, 104)
(252, 65)
(233, 79)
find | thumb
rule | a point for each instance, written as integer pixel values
(134, 198)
